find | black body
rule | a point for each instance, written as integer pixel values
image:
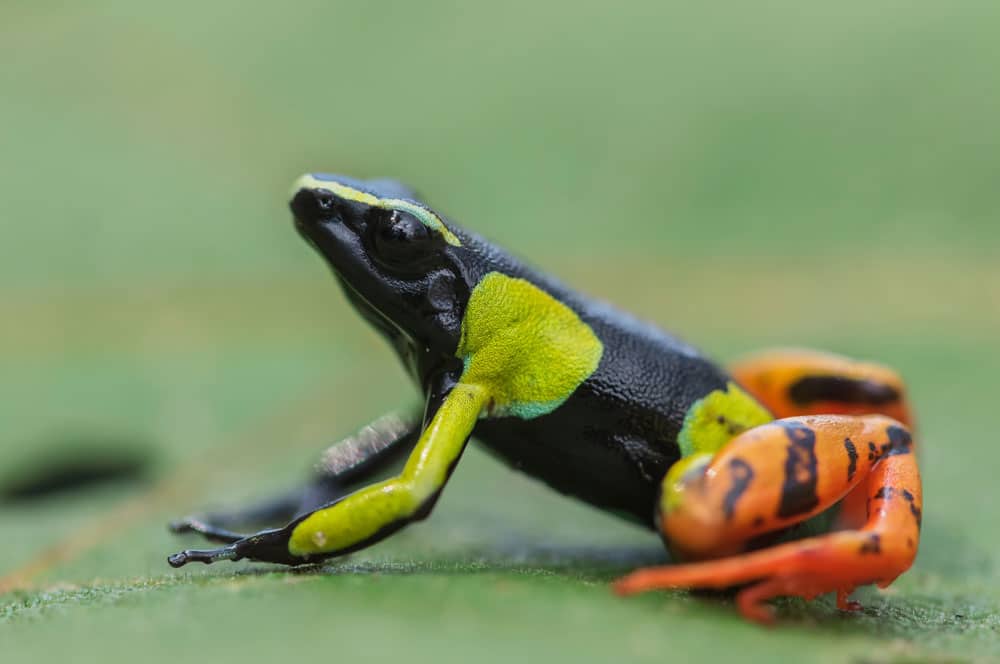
(611, 443)
(411, 274)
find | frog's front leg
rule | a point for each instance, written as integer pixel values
(374, 512)
(779, 474)
(368, 453)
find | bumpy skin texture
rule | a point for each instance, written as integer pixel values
(612, 441)
(716, 507)
(599, 406)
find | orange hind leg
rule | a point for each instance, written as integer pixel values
(791, 382)
(801, 381)
(784, 472)
(751, 488)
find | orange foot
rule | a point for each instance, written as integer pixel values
(836, 562)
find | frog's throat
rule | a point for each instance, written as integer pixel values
(425, 216)
(384, 324)
(528, 349)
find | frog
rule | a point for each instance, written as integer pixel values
(722, 462)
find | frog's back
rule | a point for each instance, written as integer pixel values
(614, 438)
(649, 369)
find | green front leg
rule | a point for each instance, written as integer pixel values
(370, 514)
(366, 455)
(374, 512)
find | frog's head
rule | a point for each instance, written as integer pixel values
(396, 259)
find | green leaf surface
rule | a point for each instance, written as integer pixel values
(761, 174)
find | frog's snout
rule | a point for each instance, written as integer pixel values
(312, 205)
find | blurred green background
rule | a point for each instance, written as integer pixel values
(819, 174)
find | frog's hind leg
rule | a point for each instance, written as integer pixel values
(792, 382)
(372, 451)
(800, 381)
(779, 474)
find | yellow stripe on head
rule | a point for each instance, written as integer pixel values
(348, 193)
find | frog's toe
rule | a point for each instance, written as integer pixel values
(836, 562)
(845, 604)
(207, 557)
(193, 524)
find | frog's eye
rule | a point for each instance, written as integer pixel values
(400, 238)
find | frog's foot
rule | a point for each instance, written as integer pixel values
(838, 562)
(270, 546)
(223, 526)
(208, 557)
(211, 532)
(779, 474)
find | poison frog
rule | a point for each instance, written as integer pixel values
(600, 406)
